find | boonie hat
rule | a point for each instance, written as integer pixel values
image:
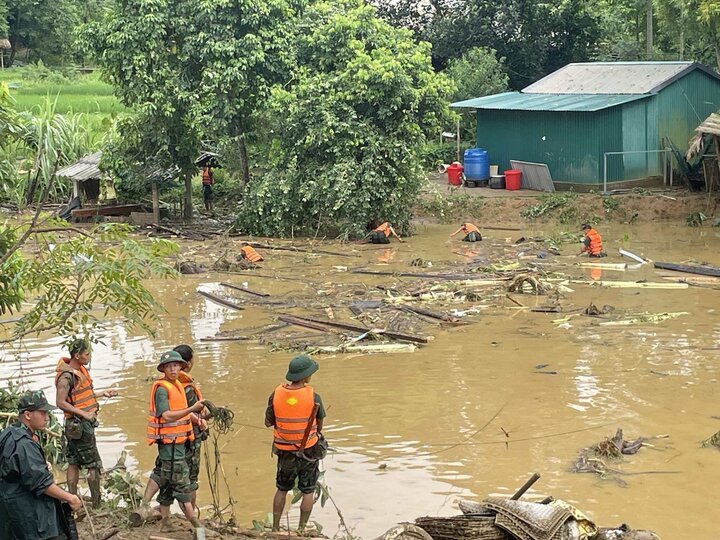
(34, 400)
(301, 367)
(170, 356)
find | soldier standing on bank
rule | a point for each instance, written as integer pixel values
(296, 412)
(29, 499)
(77, 399)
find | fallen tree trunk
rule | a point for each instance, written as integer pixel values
(220, 301)
(300, 250)
(242, 289)
(448, 277)
(702, 270)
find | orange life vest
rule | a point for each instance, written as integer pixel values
(186, 380)
(595, 247)
(384, 228)
(292, 410)
(251, 255)
(468, 228)
(163, 431)
(82, 394)
(207, 178)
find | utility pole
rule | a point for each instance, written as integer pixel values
(649, 30)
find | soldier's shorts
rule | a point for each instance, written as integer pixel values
(83, 452)
(192, 456)
(291, 467)
(173, 477)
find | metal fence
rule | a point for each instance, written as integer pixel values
(647, 168)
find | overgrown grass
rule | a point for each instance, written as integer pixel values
(560, 203)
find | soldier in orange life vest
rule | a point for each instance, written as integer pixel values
(208, 179)
(381, 234)
(296, 412)
(192, 448)
(77, 399)
(471, 232)
(248, 253)
(592, 243)
(170, 427)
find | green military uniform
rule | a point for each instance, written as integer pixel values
(193, 448)
(82, 452)
(171, 471)
(25, 512)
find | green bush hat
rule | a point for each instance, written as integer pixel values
(171, 356)
(34, 401)
(301, 367)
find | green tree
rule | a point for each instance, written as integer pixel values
(347, 132)
(42, 28)
(478, 72)
(3, 19)
(141, 45)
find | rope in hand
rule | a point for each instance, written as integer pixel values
(221, 418)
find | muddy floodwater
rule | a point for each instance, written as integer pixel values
(469, 415)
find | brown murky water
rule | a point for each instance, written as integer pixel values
(396, 420)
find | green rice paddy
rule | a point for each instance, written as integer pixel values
(82, 94)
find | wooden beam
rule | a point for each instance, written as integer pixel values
(361, 329)
(689, 269)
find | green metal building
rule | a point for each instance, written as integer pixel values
(601, 120)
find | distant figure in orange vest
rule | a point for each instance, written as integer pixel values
(471, 232)
(170, 427)
(381, 234)
(208, 179)
(296, 412)
(77, 399)
(592, 243)
(248, 253)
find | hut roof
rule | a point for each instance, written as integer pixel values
(710, 126)
(5, 43)
(614, 77)
(86, 168)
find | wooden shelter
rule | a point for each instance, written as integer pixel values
(85, 175)
(710, 128)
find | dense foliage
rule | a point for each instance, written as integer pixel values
(348, 130)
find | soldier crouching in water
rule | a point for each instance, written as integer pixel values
(29, 499)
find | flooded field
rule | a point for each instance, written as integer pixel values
(471, 413)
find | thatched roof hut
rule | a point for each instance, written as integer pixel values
(5, 43)
(711, 126)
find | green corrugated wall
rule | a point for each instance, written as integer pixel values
(684, 104)
(566, 141)
(573, 143)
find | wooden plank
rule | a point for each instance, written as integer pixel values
(118, 210)
(689, 269)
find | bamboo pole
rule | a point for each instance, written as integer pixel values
(220, 301)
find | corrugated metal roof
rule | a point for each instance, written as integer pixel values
(83, 169)
(547, 102)
(613, 78)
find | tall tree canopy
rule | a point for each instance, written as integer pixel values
(347, 130)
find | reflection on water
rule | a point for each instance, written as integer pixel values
(469, 415)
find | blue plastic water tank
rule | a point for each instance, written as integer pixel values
(477, 164)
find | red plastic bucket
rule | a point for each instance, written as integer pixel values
(454, 172)
(513, 180)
